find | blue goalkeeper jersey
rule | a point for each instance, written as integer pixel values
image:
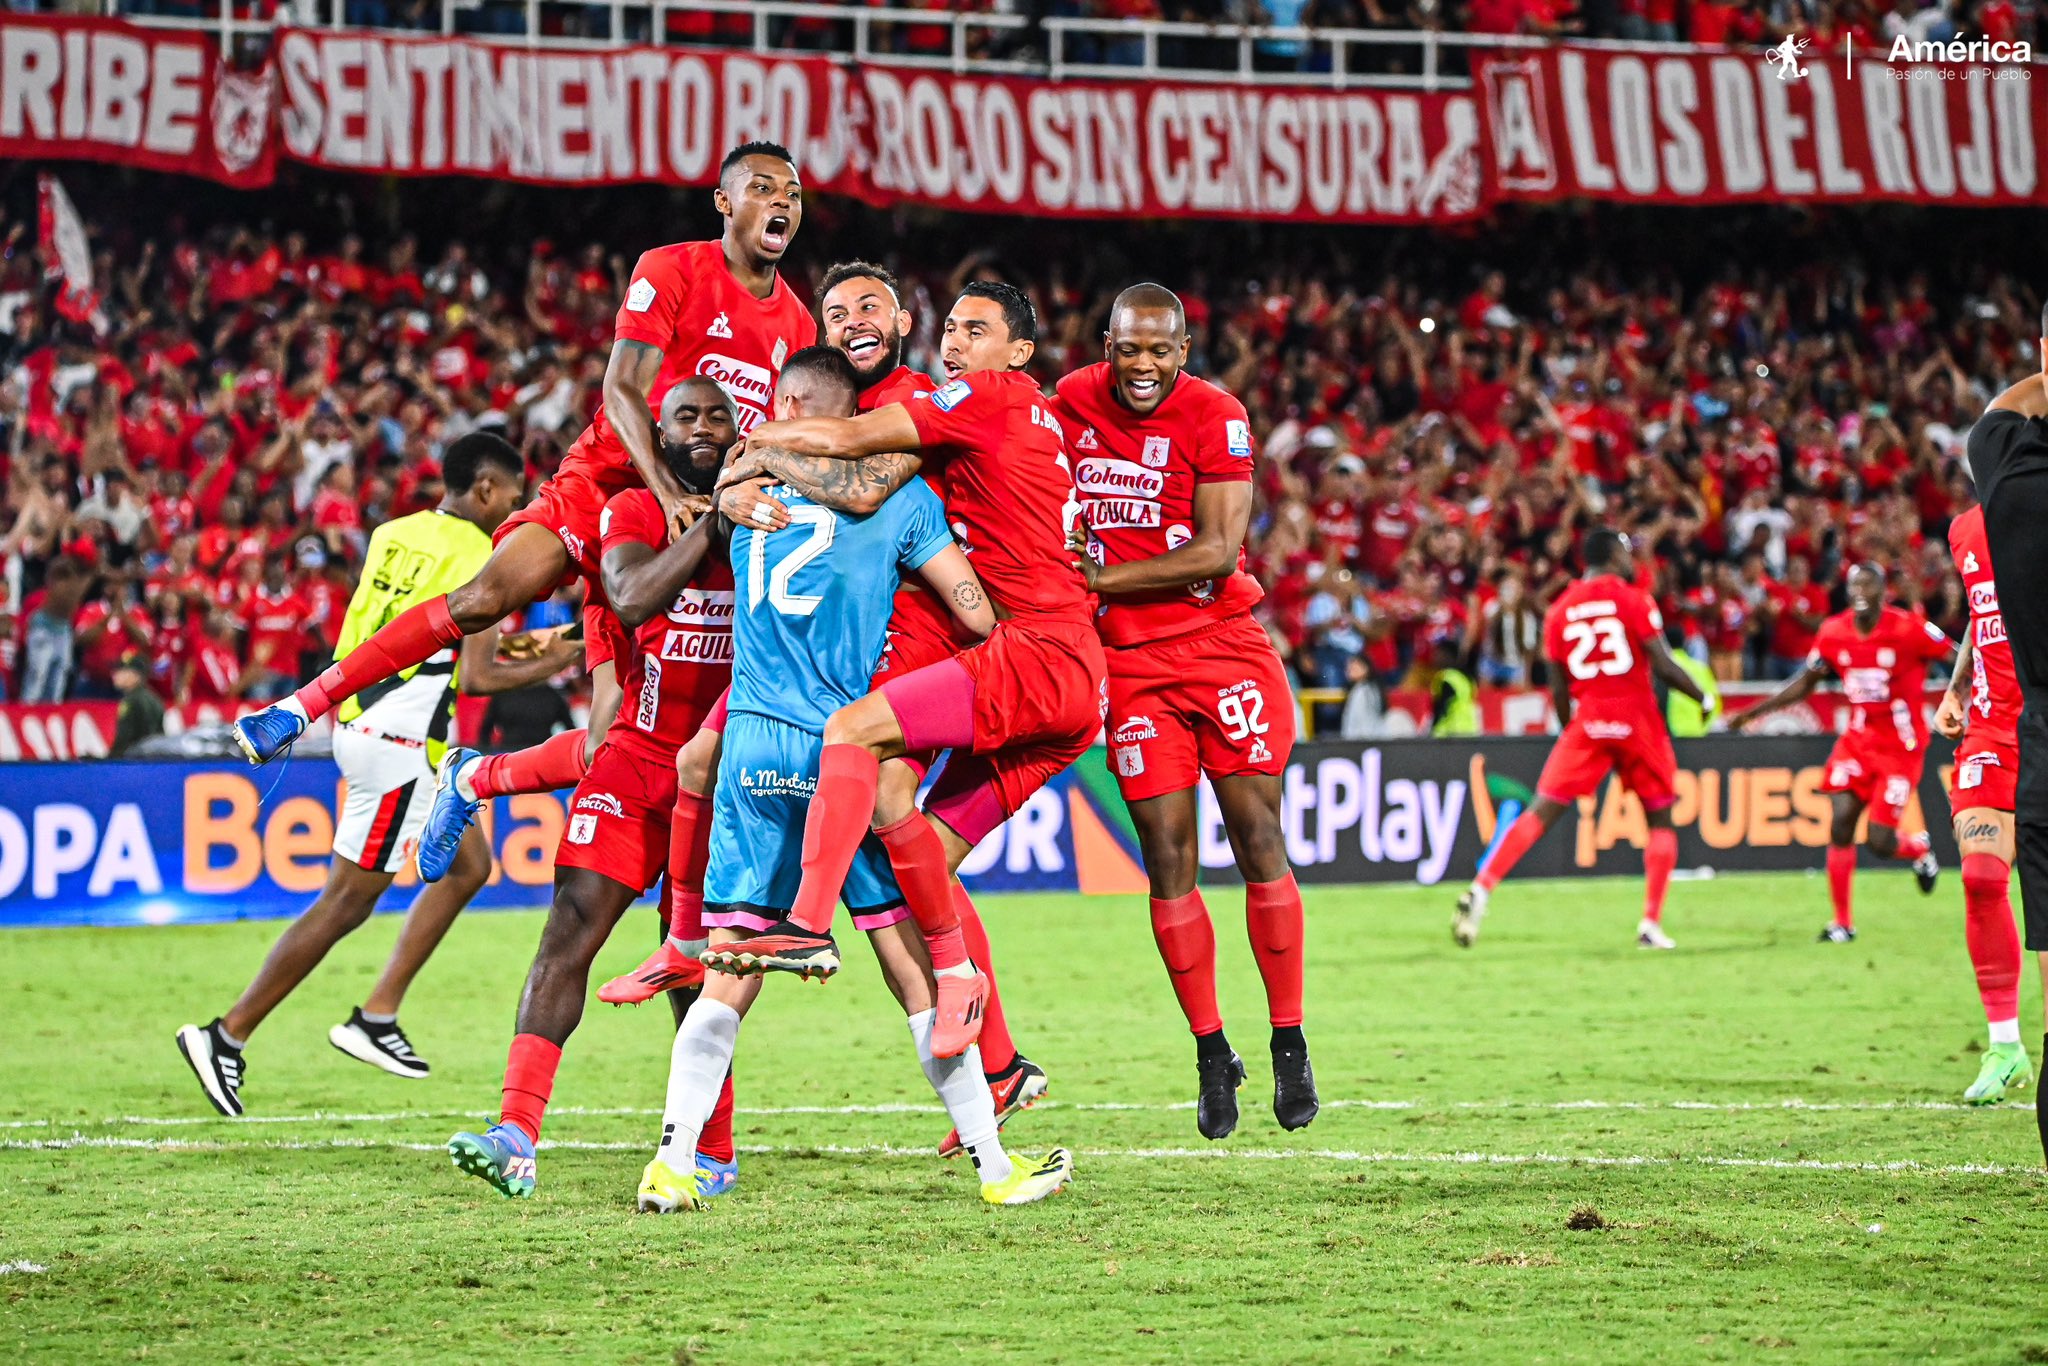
(812, 601)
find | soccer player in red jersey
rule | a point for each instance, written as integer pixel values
(1163, 461)
(865, 318)
(1981, 711)
(674, 592)
(1881, 655)
(716, 309)
(1019, 708)
(1604, 639)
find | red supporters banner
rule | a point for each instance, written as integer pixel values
(1721, 127)
(98, 90)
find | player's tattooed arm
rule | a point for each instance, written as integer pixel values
(885, 429)
(1803, 683)
(953, 579)
(1222, 513)
(629, 380)
(854, 486)
(1955, 701)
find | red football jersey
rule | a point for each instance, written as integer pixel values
(1884, 673)
(1595, 631)
(913, 599)
(276, 626)
(1137, 477)
(1994, 710)
(1002, 467)
(683, 300)
(681, 659)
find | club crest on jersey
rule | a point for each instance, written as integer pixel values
(721, 326)
(947, 397)
(1238, 436)
(1157, 451)
(640, 295)
(1087, 441)
(779, 354)
(1887, 657)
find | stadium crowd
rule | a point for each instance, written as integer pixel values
(190, 475)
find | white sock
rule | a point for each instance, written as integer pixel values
(696, 1074)
(239, 1044)
(368, 1018)
(462, 776)
(2005, 1031)
(966, 969)
(963, 1090)
(296, 708)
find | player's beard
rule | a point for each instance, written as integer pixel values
(685, 469)
(890, 356)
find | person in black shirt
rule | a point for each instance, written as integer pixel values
(2008, 457)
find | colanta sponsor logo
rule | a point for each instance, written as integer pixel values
(1105, 475)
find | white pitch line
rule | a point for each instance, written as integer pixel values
(1340, 1155)
(1141, 1107)
(22, 1268)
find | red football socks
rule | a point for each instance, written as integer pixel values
(1988, 930)
(1524, 832)
(529, 1081)
(715, 1141)
(412, 637)
(1841, 871)
(689, 853)
(1658, 860)
(1187, 944)
(918, 857)
(1272, 915)
(1911, 847)
(833, 828)
(997, 1049)
(555, 763)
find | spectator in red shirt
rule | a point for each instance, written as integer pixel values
(105, 629)
(212, 674)
(274, 626)
(1795, 608)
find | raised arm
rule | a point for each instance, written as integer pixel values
(484, 672)
(839, 438)
(1802, 685)
(629, 379)
(953, 579)
(640, 581)
(858, 486)
(1222, 513)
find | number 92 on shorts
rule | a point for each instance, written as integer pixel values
(1214, 702)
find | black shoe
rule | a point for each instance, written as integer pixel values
(380, 1045)
(1218, 1077)
(218, 1067)
(1295, 1102)
(784, 946)
(1926, 872)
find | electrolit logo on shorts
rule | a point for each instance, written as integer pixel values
(582, 829)
(770, 782)
(1609, 730)
(1130, 761)
(947, 397)
(600, 801)
(572, 543)
(1134, 729)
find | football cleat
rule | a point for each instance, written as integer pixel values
(1926, 871)
(1295, 1102)
(1836, 934)
(263, 735)
(787, 947)
(2006, 1068)
(501, 1157)
(1471, 910)
(1650, 935)
(664, 1190)
(715, 1178)
(380, 1045)
(1217, 1080)
(1014, 1089)
(218, 1067)
(957, 1023)
(447, 819)
(1031, 1180)
(667, 968)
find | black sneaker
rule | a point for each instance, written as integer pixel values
(1295, 1102)
(1927, 872)
(784, 946)
(380, 1045)
(218, 1067)
(1218, 1075)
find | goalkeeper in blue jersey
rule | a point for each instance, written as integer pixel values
(812, 603)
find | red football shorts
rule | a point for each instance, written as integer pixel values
(1881, 776)
(1215, 701)
(604, 636)
(1637, 748)
(571, 505)
(1986, 775)
(619, 817)
(1039, 699)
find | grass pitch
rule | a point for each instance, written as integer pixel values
(1552, 1148)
